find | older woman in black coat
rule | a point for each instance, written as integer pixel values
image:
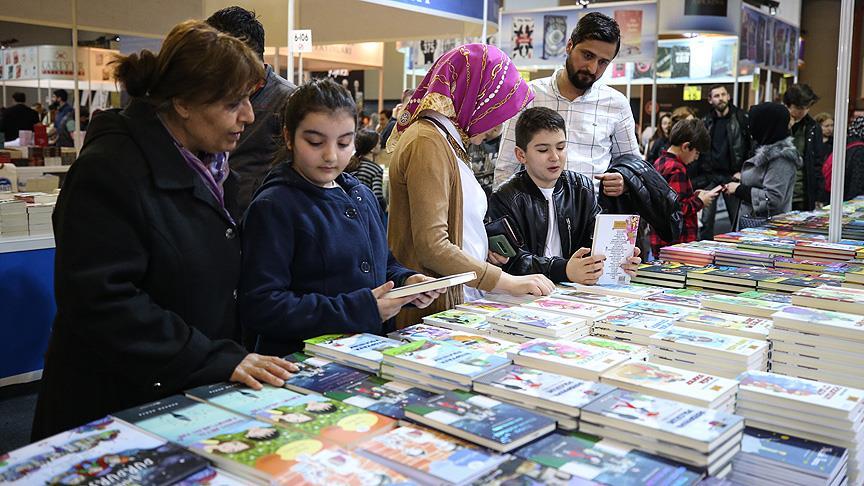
(148, 255)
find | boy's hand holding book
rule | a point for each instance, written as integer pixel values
(708, 197)
(583, 269)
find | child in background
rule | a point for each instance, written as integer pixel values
(552, 208)
(363, 168)
(315, 255)
(687, 140)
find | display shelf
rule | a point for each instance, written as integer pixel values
(26, 243)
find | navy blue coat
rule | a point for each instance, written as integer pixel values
(311, 257)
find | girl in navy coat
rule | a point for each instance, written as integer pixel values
(315, 254)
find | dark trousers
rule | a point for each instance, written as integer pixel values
(709, 213)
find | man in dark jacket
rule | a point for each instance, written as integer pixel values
(730, 147)
(18, 117)
(259, 142)
(807, 136)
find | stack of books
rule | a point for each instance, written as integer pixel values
(663, 274)
(807, 409)
(734, 304)
(779, 247)
(824, 251)
(437, 366)
(702, 438)
(13, 218)
(318, 375)
(665, 311)
(727, 279)
(709, 352)
(567, 358)
(629, 326)
(557, 396)
(768, 458)
(482, 420)
(793, 283)
(522, 324)
(477, 342)
(681, 297)
(605, 461)
(484, 306)
(39, 218)
(779, 297)
(819, 345)
(459, 320)
(629, 291)
(520, 471)
(854, 279)
(840, 299)
(614, 301)
(356, 350)
(635, 351)
(695, 388)
(429, 458)
(388, 398)
(724, 323)
(810, 267)
(688, 254)
(739, 257)
(570, 308)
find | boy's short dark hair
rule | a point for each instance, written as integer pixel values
(242, 24)
(534, 120)
(19, 97)
(800, 95)
(692, 131)
(596, 26)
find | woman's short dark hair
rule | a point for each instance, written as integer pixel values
(242, 24)
(693, 131)
(197, 63)
(534, 120)
(596, 26)
(801, 95)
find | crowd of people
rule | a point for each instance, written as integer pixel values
(58, 118)
(214, 223)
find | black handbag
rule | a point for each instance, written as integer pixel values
(501, 234)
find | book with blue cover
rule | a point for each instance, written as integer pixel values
(358, 350)
(429, 458)
(102, 452)
(481, 420)
(389, 398)
(761, 449)
(606, 461)
(317, 375)
(444, 361)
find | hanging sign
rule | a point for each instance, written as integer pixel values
(301, 40)
(692, 93)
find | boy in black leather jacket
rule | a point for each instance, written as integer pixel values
(552, 208)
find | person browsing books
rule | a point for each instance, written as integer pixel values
(687, 140)
(148, 254)
(552, 208)
(315, 256)
(437, 206)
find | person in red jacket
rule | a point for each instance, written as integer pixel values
(686, 140)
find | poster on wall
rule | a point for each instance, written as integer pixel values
(519, 35)
(554, 36)
(523, 38)
(775, 45)
(762, 40)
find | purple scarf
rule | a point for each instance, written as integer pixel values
(475, 85)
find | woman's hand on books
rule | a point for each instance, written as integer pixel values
(388, 308)
(256, 369)
(631, 264)
(583, 269)
(536, 284)
(422, 301)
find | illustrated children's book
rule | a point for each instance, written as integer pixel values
(317, 375)
(358, 350)
(389, 398)
(614, 238)
(457, 320)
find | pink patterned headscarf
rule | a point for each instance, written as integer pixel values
(475, 85)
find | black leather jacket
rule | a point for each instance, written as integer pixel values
(525, 206)
(648, 195)
(705, 173)
(814, 181)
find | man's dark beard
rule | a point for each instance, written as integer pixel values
(577, 81)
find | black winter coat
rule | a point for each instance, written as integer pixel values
(814, 181)
(146, 269)
(648, 195)
(525, 206)
(706, 173)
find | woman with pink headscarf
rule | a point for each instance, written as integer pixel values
(436, 205)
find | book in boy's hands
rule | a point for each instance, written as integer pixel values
(94, 453)
(389, 398)
(318, 375)
(615, 238)
(481, 420)
(430, 285)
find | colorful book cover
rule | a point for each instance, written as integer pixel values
(665, 270)
(520, 472)
(578, 295)
(571, 354)
(530, 319)
(457, 319)
(431, 455)
(614, 238)
(657, 309)
(319, 375)
(461, 361)
(98, 453)
(580, 309)
(729, 321)
(712, 340)
(838, 294)
(389, 398)
(634, 350)
(212, 476)
(811, 392)
(680, 297)
(849, 326)
(670, 380)
(635, 321)
(814, 458)
(483, 417)
(311, 465)
(484, 344)
(606, 461)
(543, 385)
(628, 408)
(244, 400)
(554, 36)
(364, 346)
(767, 296)
(736, 301)
(621, 290)
(483, 306)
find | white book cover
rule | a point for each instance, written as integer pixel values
(544, 385)
(579, 295)
(615, 238)
(629, 291)
(728, 323)
(635, 322)
(825, 395)
(569, 354)
(670, 380)
(709, 341)
(823, 322)
(364, 346)
(533, 320)
(570, 307)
